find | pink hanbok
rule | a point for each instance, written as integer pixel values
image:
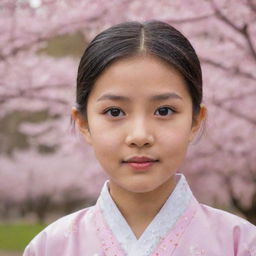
(183, 227)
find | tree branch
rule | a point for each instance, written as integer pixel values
(247, 36)
(39, 38)
(233, 70)
(240, 96)
(241, 30)
(29, 94)
(191, 19)
(222, 17)
(252, 5)
(233, 112)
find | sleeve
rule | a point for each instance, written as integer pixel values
(60, 237)
(245, 239)
(28, 251)
(37, 246)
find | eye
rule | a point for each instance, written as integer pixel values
(114, 112)
(164, 111)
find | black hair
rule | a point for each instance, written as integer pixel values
(135, 38)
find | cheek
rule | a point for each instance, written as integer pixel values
(174, 139)
(104, 139)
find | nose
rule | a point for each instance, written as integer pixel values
(139, 134)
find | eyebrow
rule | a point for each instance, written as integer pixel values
(158, 97)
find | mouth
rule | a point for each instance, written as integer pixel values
(140, 164)
(140, 159)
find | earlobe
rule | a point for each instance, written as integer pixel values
(198, 121)
(84, 129)
(82, 125)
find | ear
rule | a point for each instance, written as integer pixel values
(197, 123)
(82, 125)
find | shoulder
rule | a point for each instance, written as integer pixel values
(68, 223)
(225, 218)
(59, 232)
(230, 226)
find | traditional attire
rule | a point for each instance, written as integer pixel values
(183, 227)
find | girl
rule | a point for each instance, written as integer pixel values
(139, 94)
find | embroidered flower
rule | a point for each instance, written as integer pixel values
(196, 251)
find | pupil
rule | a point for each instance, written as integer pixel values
(163, 111)
(115, 112)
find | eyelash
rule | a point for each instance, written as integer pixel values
(111, 108)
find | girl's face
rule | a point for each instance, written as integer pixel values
(139, 106)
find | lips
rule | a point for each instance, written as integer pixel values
(140, 163)
(140, 159)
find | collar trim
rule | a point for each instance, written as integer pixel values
(162, 223)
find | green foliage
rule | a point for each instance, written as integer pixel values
(13, 139)
(15, 237)
(65, 45)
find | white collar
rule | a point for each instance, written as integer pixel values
(165, 219)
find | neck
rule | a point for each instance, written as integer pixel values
(139, 209)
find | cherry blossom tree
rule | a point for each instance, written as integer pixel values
(220, 167)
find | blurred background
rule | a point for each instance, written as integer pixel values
(47, 170)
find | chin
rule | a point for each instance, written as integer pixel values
(141, 188)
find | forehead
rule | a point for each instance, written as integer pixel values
(140, 76)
